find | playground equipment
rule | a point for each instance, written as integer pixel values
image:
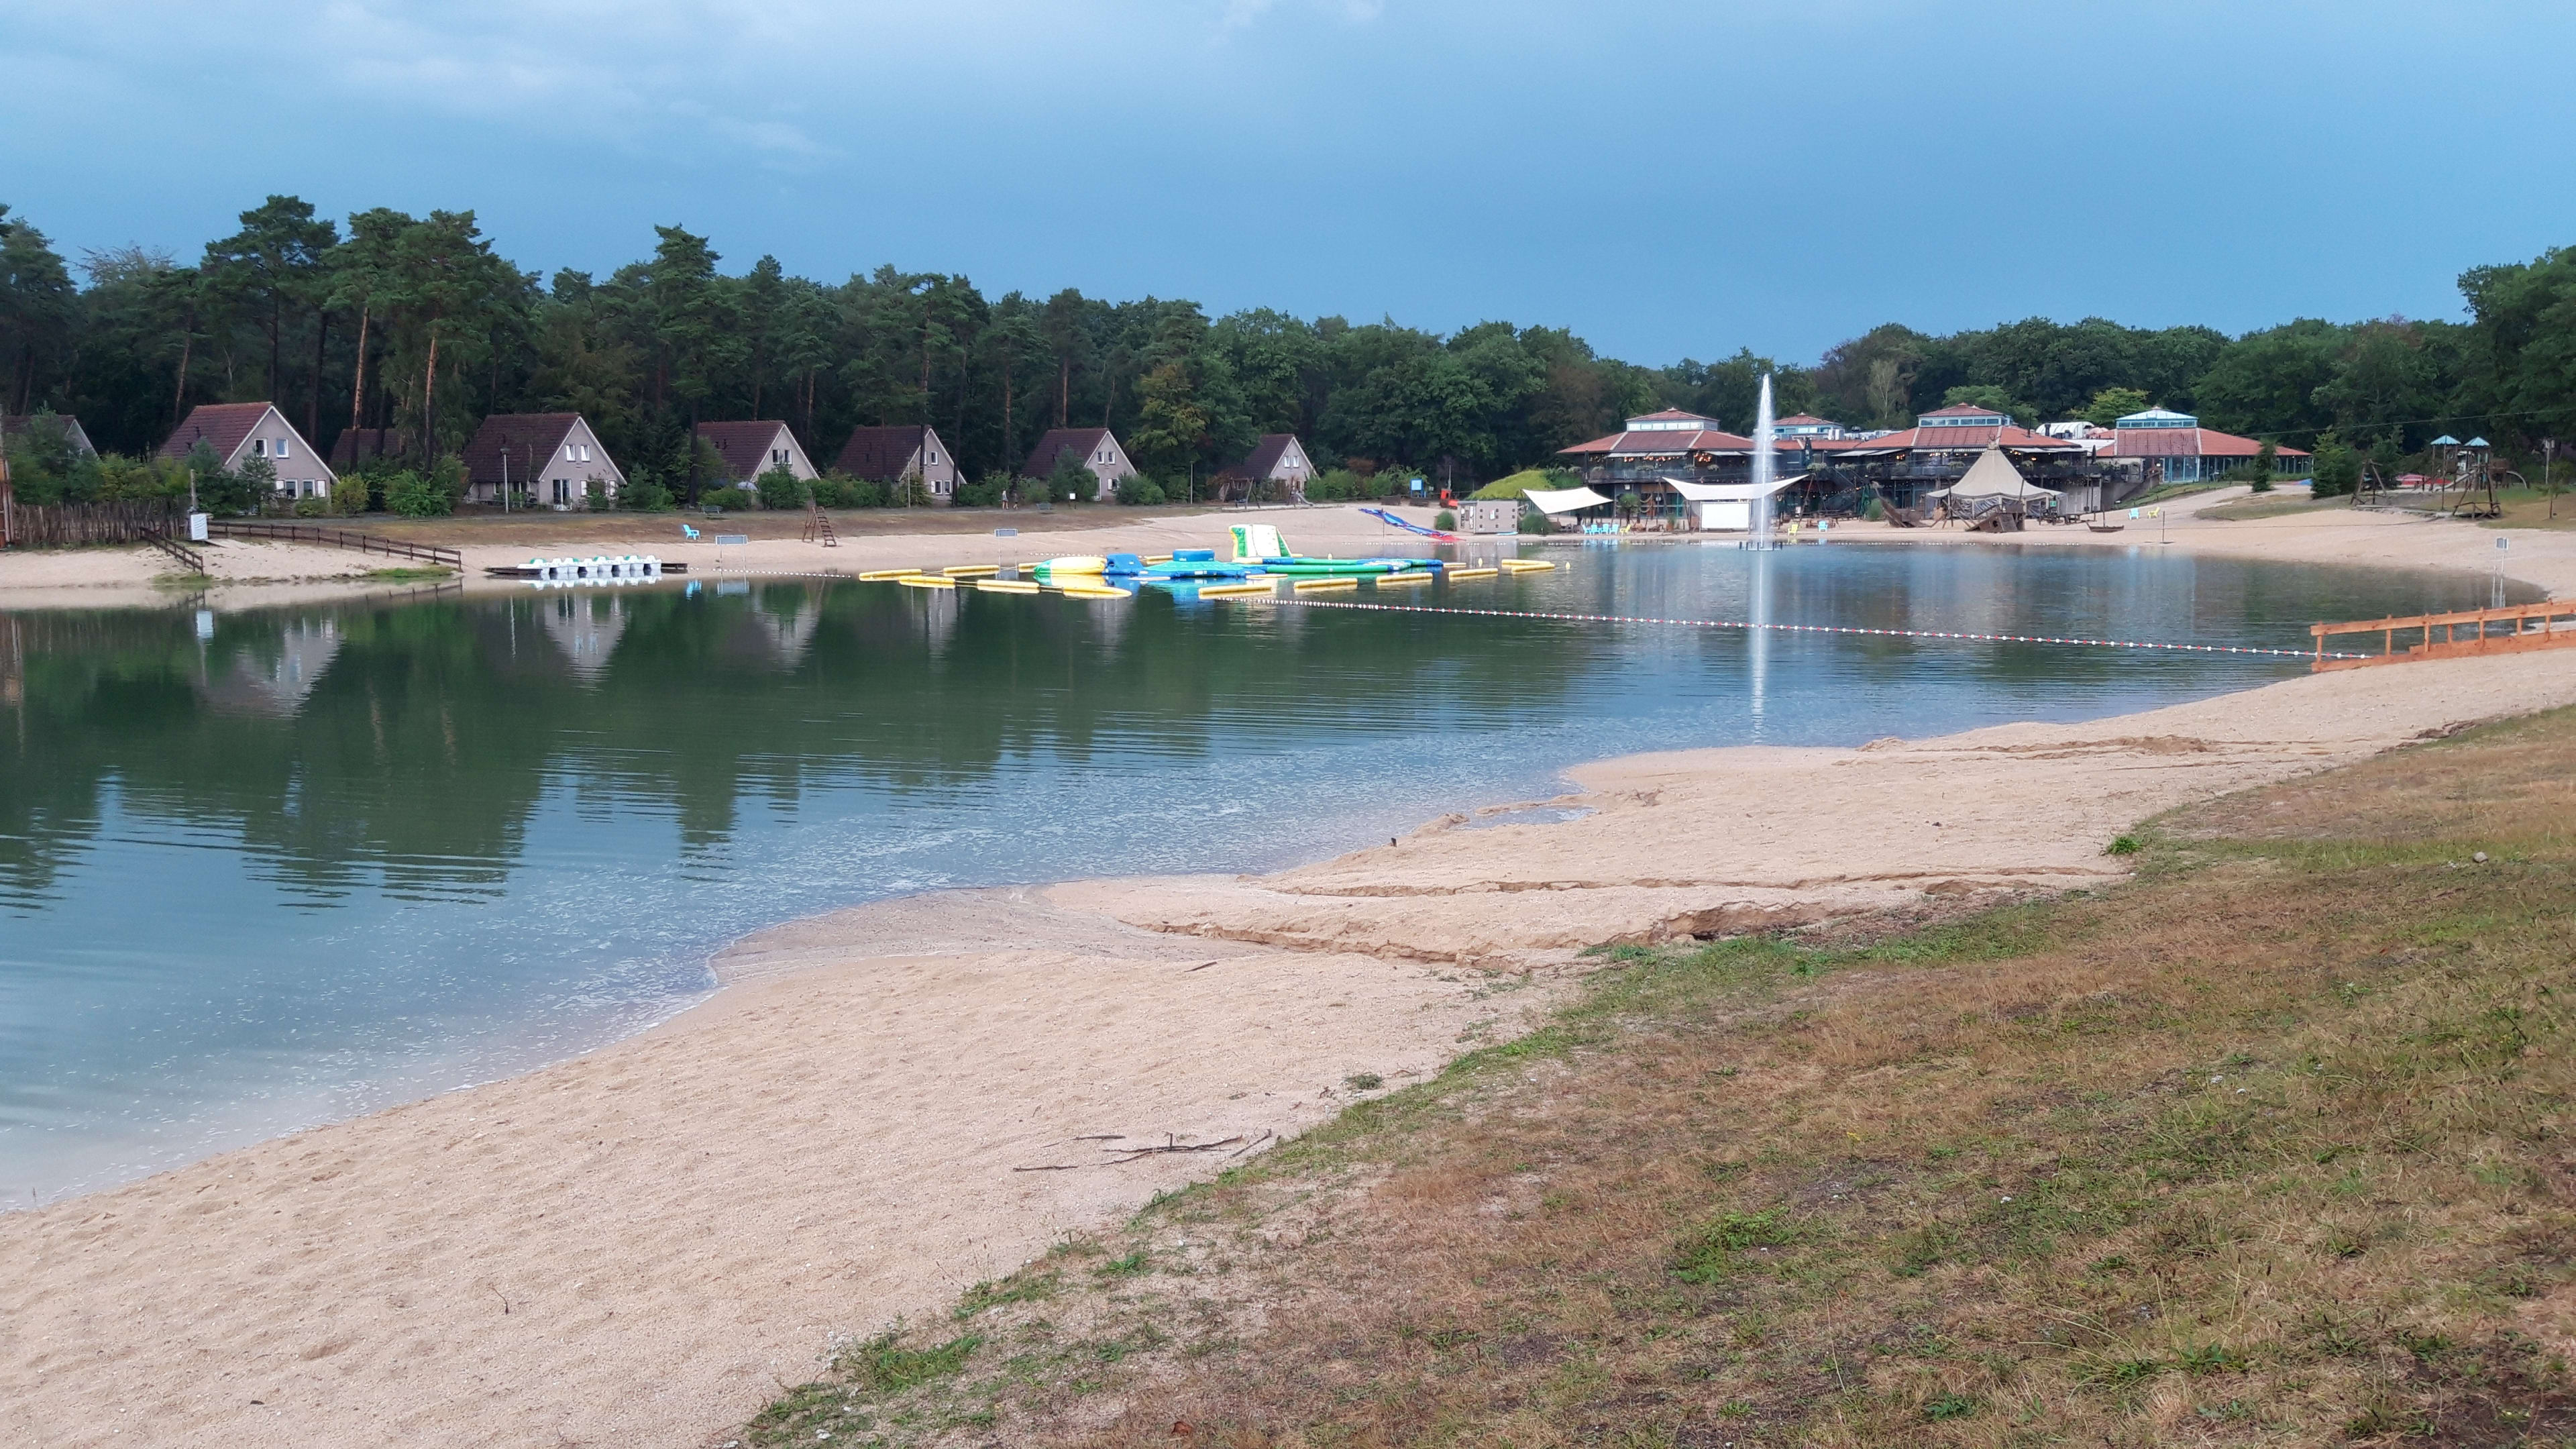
(1382, 516)
(1260, 543)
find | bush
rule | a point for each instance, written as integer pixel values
(986, 492)
(732, 500)
(312, 507)
(1444, 519)
(1070, 481)
(1137, 489)
(1876, 512)
(351, 495)
(409, 494)
(1535, 522)
(780, 488)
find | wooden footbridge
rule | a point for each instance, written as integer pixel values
(2510, 630)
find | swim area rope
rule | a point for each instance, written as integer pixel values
(1854, 629)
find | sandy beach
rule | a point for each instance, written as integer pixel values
(641, 1245)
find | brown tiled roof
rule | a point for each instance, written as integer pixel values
(1953, 439)
(2190, 443)
(1965, 410)
(357, 445)
(1257, 463)
(744, 447)
(1081, 442)
(530, 438)
(1806, 420)
(71, 427)
(881, 455)
(221, 426)
(1672, 415)
(1662, 443)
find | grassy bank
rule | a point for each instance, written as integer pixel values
(2268, 1145)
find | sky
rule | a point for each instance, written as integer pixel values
(1664, 179)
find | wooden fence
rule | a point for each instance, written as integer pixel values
(65, 525)
(2509, 630)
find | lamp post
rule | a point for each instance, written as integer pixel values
(2548, 452)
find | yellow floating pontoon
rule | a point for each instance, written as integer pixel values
(1078, 563)
(1418, 576)
(878, 576)
(1260, 587)
(1455, 574)
(1096, 591)
(1330, 581)
(1526, 565)
(1158, 558)
(926, 581)
(970, 571)
(1005, 586)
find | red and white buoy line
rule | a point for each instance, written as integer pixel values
(1853, 629)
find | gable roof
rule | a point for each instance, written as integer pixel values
(1264, 456)
(1965, 410)
(1673, 415)
(525, 436)
(744, 447)
(1953, 438)
(357, 445)
(72, 430)
(220, 426)
(1059, 441)
(1663, 443)
(1804, 420)
(881, 455)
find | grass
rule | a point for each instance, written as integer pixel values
(2267, 1145)
(2277, 504)
(2171, 491)
(409, 575)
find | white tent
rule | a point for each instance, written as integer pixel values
(1553, 501)
(1994, 476)
(1725, 506)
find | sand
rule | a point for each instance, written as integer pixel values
(639, 1246)
(243, 574)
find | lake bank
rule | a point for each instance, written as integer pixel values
(643, 1241)
(640, 1242)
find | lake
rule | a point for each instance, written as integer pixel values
(265, 869)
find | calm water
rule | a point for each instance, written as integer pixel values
(262, 870)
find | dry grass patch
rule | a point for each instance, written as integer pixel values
(2267, 1146)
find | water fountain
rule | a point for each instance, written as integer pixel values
(1765, 464)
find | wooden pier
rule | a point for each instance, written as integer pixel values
(2509, 630)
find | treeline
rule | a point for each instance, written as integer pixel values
(416, 323)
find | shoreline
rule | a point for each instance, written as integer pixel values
(808, 1153)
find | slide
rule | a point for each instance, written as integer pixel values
(1382, 516)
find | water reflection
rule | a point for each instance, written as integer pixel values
(262, 869)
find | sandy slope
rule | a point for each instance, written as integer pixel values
(636, 1247)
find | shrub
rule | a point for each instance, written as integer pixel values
(1070, 481)
(350, 495)
(409, 494)
(1535, 522)
(1444, 519)
(1876, 512)
(780, 488)
(985, 492)
(1138, 489)
(732, 500)
(316, 507)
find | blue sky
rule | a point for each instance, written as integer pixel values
(1665, 179)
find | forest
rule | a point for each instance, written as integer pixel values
(421, 325)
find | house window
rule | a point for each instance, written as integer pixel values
(934, 455)
(256, 447)
(585, 452)
(281, 447)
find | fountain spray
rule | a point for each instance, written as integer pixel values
(1764, 465)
